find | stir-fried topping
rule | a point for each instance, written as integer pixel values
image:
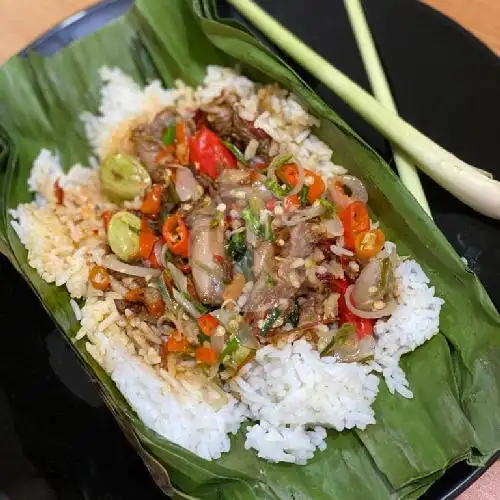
(229, 248)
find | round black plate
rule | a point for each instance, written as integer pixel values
(57, 439)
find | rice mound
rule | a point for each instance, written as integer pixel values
(62, 240)
(292, 395)
(414, 322)
(293, 389)
(188, 421)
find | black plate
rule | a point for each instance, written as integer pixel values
(57, 439)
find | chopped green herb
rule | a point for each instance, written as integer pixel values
(162, 287)
(169, 135)
(173, 197)
(384, 274)
(199, 306)
(203, 338)
(251, 220)
(279, 161)
(167, 253)
(268, 229)
(236, 152)
(255, 204)
(275, 187)
(245, 265)
(331, 209)
(341, 336)
(231, 347)
(294, 315)
(344, 332)
(237, 246)
(217, 220)
(270, 281)
(269, 321)
(303, 193)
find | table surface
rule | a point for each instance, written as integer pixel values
(481, 17)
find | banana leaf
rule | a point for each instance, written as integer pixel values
(455, 377)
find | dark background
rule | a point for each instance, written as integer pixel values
(57, 439)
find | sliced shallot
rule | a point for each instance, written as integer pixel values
(389, 308)
(186, 185)
(111, 262)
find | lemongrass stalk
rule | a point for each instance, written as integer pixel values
(464, 181)
(382, 91)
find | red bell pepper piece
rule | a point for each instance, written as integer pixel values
(209, 155)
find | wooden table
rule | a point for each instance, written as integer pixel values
(21, 21)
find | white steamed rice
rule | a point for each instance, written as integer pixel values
(293, 393)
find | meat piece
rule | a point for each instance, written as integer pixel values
(233, 178)
(311, 310)
(121, 305)
(148, 143)
(302, 241)
(161, 122)
(220, 119)
(294, 276)
(147, 149)
(267, 294)
(235, 194)
(207, 253)
(233, 182)
(225, 122)
(262, 258)
(244, 131)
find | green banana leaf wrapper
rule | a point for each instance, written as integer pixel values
(455, 377)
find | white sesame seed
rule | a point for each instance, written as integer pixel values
(319, 255)
(221, 207)
(220, 331)
(234, 213)
(310, 262)
(354, 266)
(186, 206)
(372, 289)
(280, 242)
(278, 322)
(309, 180)
(278, 210)
(242, 300)
(378, 304)
(297, 263)
(283, 303)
